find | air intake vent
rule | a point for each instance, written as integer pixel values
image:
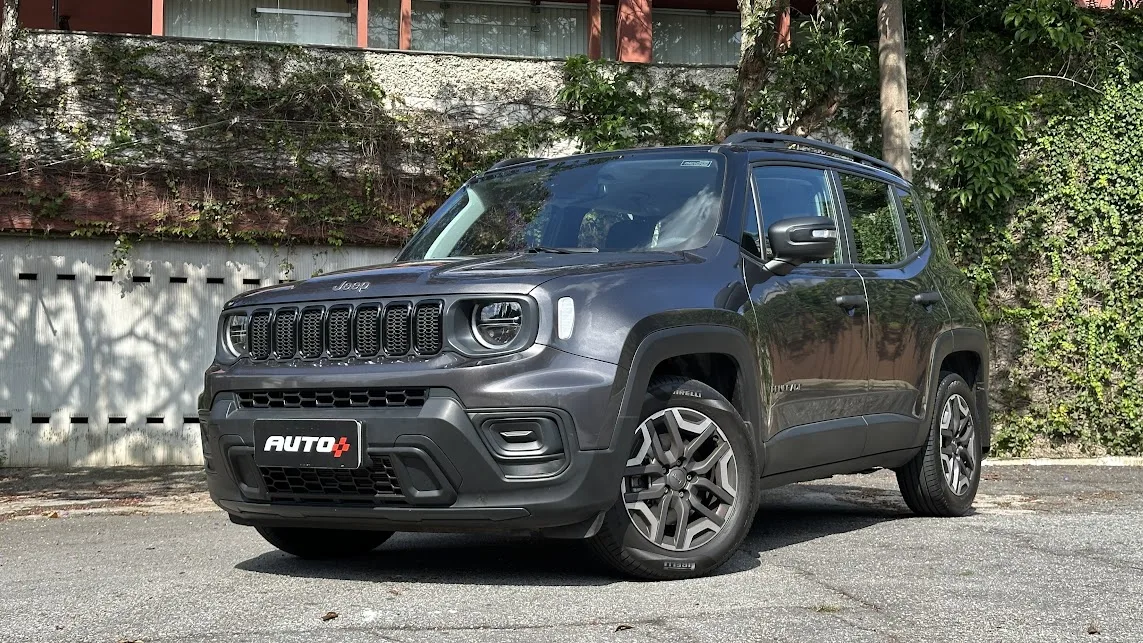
(397, 329)
(285, 331)
(366, 330)
(429, 328)
(343, 331)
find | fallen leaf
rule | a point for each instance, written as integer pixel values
(620, 628)
(51, 514)
(395, 592)
(329, 616)
(1093, 627)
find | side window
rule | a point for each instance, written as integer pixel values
(785, 192)
(873, 216)
(912, 207)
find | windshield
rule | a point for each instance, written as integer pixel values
(622, 203)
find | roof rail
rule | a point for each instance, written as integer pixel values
(785, 141)
(513, 161)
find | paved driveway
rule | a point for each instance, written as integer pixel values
(1052, 554)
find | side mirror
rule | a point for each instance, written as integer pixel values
(798, 240)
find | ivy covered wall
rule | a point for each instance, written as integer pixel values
(143, 137)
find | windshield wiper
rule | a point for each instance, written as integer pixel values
(559, 251)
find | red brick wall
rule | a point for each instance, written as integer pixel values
(107, 16)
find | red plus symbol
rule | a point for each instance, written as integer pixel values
(341, 447)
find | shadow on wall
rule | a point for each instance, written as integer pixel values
(101, 367)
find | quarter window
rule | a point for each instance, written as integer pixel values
(785, 192)
(874, 219)
(912, 207)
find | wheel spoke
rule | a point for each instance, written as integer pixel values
(661, 525)
(722, 494)
(709, 428)
(709, 513)
(654, 492)
(708, 463)
(672, 419)
(649, 469)
(683, 509)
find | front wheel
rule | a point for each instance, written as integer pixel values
(689, 490)
(941, 480)
(318, 544)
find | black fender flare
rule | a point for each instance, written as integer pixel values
(956, 340)
(678, 341)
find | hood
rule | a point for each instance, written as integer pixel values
(500, 274)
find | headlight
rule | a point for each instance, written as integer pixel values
(496, 325)
(236, 335)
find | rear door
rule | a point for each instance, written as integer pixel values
(891, 253)
(809, 328)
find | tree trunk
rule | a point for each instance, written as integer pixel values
(759, 48)
(9, 23)
(894, 88)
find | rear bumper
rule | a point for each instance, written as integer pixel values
(451, 473)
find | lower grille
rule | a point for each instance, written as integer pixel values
(376, 484)
(332, 398)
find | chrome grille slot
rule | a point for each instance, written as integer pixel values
(396, 329)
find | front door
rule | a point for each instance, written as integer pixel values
(905, 307)
(810, 329)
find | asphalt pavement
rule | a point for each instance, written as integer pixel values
(1051, 554)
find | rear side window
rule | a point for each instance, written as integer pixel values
(873, 216)
(786, 192)
(912, 206)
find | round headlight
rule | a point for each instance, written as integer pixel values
(237, 335)
(495, 325)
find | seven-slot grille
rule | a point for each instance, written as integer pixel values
(341, 331)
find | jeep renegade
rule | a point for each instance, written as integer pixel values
(625, 347)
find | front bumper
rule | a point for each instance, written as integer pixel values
(443, 457)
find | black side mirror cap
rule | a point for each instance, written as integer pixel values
(800, 239)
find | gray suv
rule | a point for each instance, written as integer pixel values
(625, 347)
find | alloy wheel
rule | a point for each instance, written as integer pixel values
(681, 481)
(958, 436)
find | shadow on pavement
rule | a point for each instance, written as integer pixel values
(786, 517)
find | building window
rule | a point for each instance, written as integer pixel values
(309, 22)
(500, 28)
(695, 37)
(384, 24)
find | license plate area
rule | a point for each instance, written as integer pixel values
(318, 444)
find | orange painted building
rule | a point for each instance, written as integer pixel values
(689, 31)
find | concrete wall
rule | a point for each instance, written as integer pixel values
(102, 367)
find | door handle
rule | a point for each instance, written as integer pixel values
(927, 298)
(850, 302)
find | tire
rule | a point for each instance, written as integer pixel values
(925, 482)
(725, 487)
(319, 544)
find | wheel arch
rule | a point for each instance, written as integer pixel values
(963, 351)
(702, 352)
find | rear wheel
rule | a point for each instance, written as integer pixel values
(943, 477)
(319, 544)
(689, 490)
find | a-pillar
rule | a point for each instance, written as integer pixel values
(633, 31)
